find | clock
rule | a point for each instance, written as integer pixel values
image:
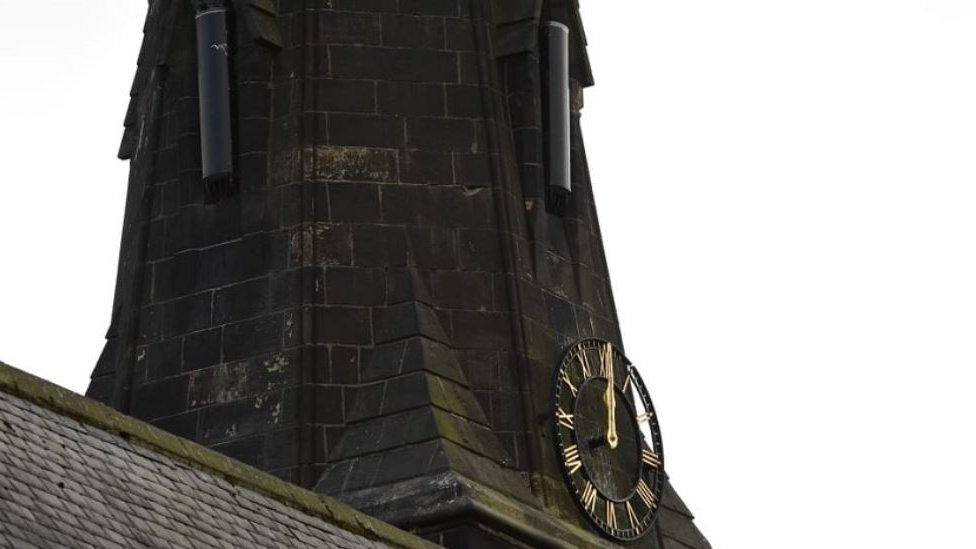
(608, 439)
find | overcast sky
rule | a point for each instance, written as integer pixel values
(787, 190)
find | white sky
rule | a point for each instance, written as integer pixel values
(788, 198)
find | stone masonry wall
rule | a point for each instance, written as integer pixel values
(391, 190)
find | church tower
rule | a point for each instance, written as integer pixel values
(361, 252)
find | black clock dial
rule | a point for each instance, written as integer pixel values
(614, 471)
(608, 439)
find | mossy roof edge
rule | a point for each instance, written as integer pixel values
(67, 403)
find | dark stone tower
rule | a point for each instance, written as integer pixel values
(375, 310)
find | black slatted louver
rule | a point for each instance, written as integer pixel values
(213, 81)
(556, 113)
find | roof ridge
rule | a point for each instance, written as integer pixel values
(67, 403)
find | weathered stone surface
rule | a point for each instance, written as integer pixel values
(335, 163)
(390, 254)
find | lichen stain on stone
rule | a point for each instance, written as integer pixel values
(289, 327)
(327, 163)
(276, 412)
(276, 363)
(468, 193)
(308, 238)
(285, 167)
(224, 383)
(231, 431)
(301, 245)
(325, 239)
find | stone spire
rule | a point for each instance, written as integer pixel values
(377, 311)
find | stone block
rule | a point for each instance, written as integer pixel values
(344, 95)
(462, 289)
(393, 64)
(460, 34)
(407, 320)
(281, 449)
(329, 408)
(473, 170)
(354, 202)
(365, 130)
(338, 27)
(430, 7)
(247, 417)
(432, 247)
(441, 134)
(429, 168)
(250, 337)
(469, 70)
(480, 249)
(366, 5)
(379, 245)
(241, 301)
(345, 364)
(344, 325)
(410, 98)
(294, 287)
(481, 330)
(159, 399)
(321, 244)
(202, 349)
(465, 101)
(413, 31)
(355, 286)
(253, 135)
(252, 256)
(561, 316)
(331, 163)
(164, 359)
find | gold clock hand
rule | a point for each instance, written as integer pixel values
(611, 397)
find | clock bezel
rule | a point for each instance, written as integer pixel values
(564, 438)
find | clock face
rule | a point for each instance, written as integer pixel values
(608, 439)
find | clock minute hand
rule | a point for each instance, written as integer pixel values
(611, 397)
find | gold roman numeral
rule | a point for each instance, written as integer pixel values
(650, 458)
(611, 515)
(566, 420)
(646, 416)
(584, 363)
(646, 495)
(606, 360)
(572, 458)
(632, 517)
(630, 374)
(569, 383)
(589, 497)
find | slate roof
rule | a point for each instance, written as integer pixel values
(74, 473)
